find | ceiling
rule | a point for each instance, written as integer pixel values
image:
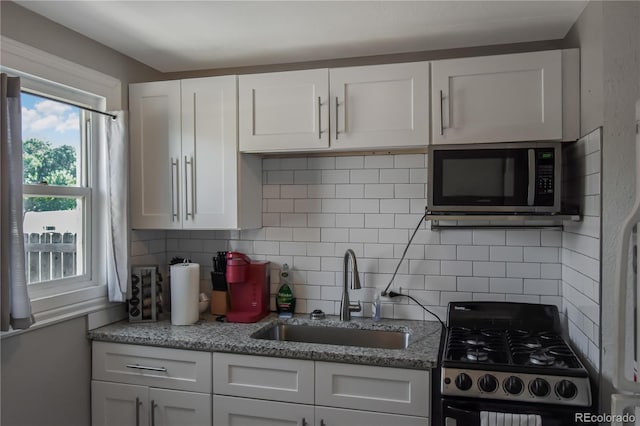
(193, 35)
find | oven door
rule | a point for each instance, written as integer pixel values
(456, 412)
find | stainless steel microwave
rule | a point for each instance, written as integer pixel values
(517, 177)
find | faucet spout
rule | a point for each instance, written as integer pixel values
(345, 305)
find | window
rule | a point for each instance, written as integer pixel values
(63, 175)
(57, 190)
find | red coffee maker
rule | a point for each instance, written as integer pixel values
(248, 286)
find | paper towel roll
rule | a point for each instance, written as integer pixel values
(185, 288)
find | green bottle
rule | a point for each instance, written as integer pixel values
(285, 302)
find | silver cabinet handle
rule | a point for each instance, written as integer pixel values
(144, 367)
(186, 188)
(174, 182)
(531, 190)
(153, 412)
(441, 114)
(337, 118)
(138, 404)
(319, 120)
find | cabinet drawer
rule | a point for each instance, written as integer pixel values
(277, 379)
(152, 366)
(382, 389)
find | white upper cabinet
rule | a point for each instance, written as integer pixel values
(380, 106)
(186, 172)
(284, 111)
(368, 107)
(503, 98)
(155, 149)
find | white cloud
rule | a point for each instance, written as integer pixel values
(50, 116)
(71, 123)
(48, 107)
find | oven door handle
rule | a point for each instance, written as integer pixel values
(531, 190)
(458, 417)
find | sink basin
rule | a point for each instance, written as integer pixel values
(335, 336)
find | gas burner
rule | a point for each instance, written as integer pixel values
(477, 355)
(475, 340)
(542, 358)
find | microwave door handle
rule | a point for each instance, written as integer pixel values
(532, 178)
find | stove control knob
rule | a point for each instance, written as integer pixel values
(566, 389)
(539, 387)
(513, 385)
(488, 383)
(463, 381)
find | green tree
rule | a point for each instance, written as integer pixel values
(43, 163)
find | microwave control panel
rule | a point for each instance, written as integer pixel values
(545, 176)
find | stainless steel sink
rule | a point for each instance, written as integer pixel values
(335, 336)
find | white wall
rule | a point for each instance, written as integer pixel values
(46, 375)
(581, 252)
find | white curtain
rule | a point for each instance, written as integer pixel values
(117, 210)
(16, 307)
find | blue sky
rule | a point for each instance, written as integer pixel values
(50, 121)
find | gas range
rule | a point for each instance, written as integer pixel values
(511, 352)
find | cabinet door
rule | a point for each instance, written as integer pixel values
(340, 417)
(284, 111)
(370, 388)
(232, 411)
(209, 153)
(155, 155)
(501, 98)
(381, 106)
(178, 408)
(115, 404)
(280, 379)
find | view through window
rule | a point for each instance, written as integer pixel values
(56, 191)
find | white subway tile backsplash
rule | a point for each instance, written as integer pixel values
(378, 161)
(523, 270)
(315, 208)
(523, 238)
(364, 176)
(409, 161)
(292, 219)
(335, 176)
(394, 206)
(473, 284)
(458, 268)
(394, 176)
(350, 191)
(489, 237)
(378, 190)
(472, 252)
(354, 162)
(506, 254)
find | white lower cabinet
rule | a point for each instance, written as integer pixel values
(257, 390)
(234, 411)
(118, 404)
(135, 385)
(326, 416)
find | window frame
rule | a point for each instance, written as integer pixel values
(54, 76)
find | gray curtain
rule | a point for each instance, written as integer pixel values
(15, 304)
(117, 212)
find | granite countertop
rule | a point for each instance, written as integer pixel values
(211, 336)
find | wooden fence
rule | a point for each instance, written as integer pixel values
(50, 256)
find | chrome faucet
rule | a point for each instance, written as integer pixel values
(345, 306)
